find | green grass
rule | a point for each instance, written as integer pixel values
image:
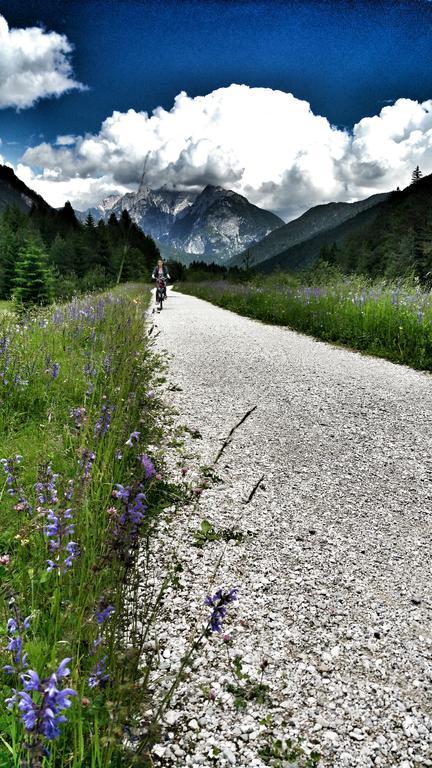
(91, 354)
(388, 320)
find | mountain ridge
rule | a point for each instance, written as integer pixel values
(305, 253)
(13, 191)
(210, 225)
(311, 223)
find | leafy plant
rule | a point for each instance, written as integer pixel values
(247, 689)
(279, 752)
(207, 533)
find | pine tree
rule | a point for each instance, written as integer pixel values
(8, 259)
(89, 222)
(62, 254)
(416, 175)
(103, 254)
(13, 231)
(66, 219)
(33, 281)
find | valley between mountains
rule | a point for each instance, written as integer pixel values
(332, 568)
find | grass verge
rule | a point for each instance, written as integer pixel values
(81, 489)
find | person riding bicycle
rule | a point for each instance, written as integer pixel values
(160, 271)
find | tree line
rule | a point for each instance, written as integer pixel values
(399, 241)
(47, 254)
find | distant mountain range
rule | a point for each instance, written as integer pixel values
(210, 226)
(315, 221)
(220, 225)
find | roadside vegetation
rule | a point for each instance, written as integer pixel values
(81, 487)
(84, 488)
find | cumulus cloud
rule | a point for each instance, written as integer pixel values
(34, 64)
(263, 143)
(83, 193)
(386, 147)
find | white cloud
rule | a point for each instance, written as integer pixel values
(386, 147)
(34, 64)
(263, 143)
(65, 140)
(83, 193)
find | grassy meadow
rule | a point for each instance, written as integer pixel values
(81, 487)
(387, 319)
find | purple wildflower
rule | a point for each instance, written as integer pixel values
(103, 612)
(107, 364)
(102, 425)
(219, 602)
(78, 415)
(55, 370)
(86, 463)
(149, 470)
(46, 487)
(69, 490)
(130, 517)
(133, 436)
(44, 714)
(59, 530)
(121, 492)
(96, 643)
(15, 629)
(11, 468)
(99, 676)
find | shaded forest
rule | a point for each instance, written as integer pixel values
(59, 256)
(398, 243)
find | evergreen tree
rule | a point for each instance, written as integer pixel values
(113, 226)
(82, 255)
(89, 222)
(8, 259)
(416, 175)
(14, 229)
(62, 254)
(33, 280)
(103, 254)
(66, 219)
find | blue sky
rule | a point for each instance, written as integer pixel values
(347, 59)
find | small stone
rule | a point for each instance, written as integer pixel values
(357, 735)
(331, 736)
(229, 756)
(193, 725)
(171, 717)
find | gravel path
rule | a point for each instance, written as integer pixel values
(334, 567)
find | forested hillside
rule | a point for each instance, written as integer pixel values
(73, 256)
(397, 242)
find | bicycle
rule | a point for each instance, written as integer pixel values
(160, 291)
